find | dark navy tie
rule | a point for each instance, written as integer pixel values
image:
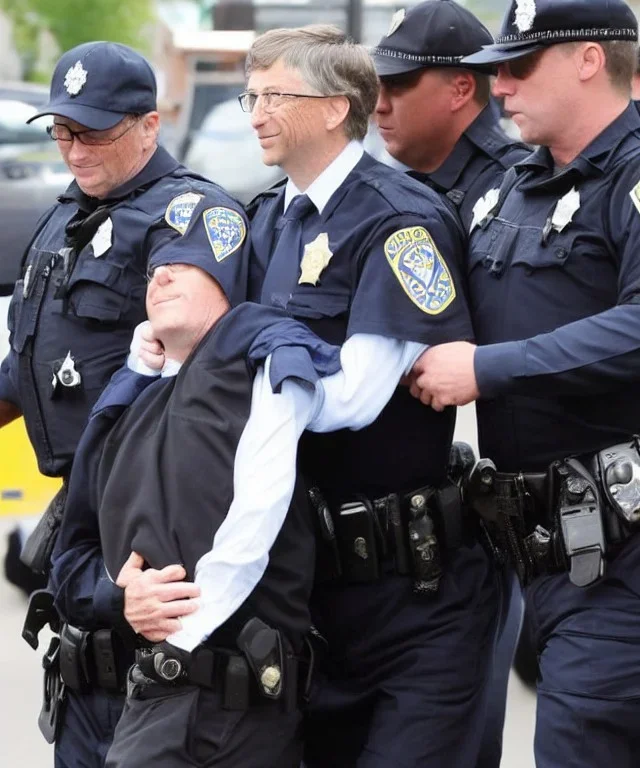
(284, 264)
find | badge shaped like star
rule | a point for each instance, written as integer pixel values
(396, 21)
(483, 207)
(315, 259)
(565, 210)
(525, 14)
(75, 79)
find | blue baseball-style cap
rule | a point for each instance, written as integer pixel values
(97, 84)
(531, 25)
(433, 33)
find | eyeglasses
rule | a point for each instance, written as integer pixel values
(521, 68)
(172, 268)
(271, 100)
(62, 132)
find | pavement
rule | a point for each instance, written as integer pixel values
(21, 743)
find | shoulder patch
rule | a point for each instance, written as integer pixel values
(226, 231)
(635, 196)
(420, 269)
(180, 209)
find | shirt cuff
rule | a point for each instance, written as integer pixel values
(135, 364)
(497, 365)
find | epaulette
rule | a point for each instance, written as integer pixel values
(403, 193)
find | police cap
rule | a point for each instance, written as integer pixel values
(97, 84)
(434, 33)
(530, 25)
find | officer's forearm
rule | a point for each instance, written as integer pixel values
(589, 356)
(8, 412)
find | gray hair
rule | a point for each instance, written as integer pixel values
(329, 63)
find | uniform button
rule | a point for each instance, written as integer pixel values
(561, 253)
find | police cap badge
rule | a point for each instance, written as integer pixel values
(180, 209)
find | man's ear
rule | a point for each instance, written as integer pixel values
(150, 129)
(463, 89)
(336, 109)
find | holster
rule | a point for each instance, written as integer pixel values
(37, 550)
(53, 698)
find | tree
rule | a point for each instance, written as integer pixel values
(71, 22)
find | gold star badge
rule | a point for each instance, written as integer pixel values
(315, 258)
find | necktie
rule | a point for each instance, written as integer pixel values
(284, 265)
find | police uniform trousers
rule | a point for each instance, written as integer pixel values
(588, 641)
(404, 681)
(87, 728)
(511, 615)
(172, 727)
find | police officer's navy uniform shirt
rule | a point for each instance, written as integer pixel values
(393, 272)
(81, 294)
(555, 294)
(476, 164)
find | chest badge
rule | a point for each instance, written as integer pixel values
(420, 269)
(396, 21)
(180, 209)
(565, 209)
(103, 238)
(315, 259)
(525, 14)
(483, 207)
(75, 79)
(66, 375)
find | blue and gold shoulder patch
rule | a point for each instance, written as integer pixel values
(180, 209)
(225, 229)
(420, 269)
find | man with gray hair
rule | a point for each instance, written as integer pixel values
(405, 596)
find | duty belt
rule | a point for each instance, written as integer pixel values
(93, 660)
(410, 534)
(262, 668)
(574, 517)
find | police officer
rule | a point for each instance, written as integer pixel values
(433, 112)
(361, 252)
(435, 116)
(554, 292)
(80, 295)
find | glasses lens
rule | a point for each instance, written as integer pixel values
(523, 67)
(59, 132)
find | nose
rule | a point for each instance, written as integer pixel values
(383, 105)
(503, 85)
(161, 275)
(258, 115)
(77, 150)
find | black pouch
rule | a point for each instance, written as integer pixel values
(327, 555)
(357, 535)
(37, 550)
(73, 658)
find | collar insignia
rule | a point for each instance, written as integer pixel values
(315, 258)
(75, 79)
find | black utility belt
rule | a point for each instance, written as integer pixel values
(574, 517)
(410, 534)
(262, 669)
(93, 660)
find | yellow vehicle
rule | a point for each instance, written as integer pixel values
(23, 490)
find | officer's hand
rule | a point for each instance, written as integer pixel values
(151, 350)
(444, 375)
(155, 600)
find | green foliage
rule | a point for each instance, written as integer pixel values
(72, 22)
